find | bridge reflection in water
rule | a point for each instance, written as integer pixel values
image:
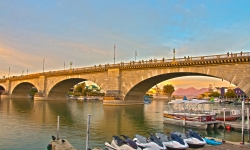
(28, 124)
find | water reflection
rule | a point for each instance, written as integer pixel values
(28, 124)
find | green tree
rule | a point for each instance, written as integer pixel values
(33, 91)
(83, 86)
(230, 93)
(214, 94)
(78, 89)
(168, 90)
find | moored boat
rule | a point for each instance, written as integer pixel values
(173, 142)
(212, 141)
(239, 101)
(152, 143)
(118, 144)
(191, 114)
(230, 114)
(193, 139)
(147, 99)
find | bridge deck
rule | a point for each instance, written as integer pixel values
(186, 61)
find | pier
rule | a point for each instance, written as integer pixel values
(235, 125)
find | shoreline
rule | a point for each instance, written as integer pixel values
(228, 145)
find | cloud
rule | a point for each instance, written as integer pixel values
(85, 32)
(16, 60)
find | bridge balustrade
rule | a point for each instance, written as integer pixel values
(138, 63)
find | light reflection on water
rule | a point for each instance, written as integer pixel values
(28, 124)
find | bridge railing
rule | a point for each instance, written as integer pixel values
(132, 63)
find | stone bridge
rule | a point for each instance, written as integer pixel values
(126, 83)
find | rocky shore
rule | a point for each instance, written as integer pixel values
(65, 145)
(226, 146)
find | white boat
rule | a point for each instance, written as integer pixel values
(191, 113)
(147, 99)
(152, 143)
(173, 142)
(230, 114)
(80, 98)
(91, 98)
(118, 144)
(193, 139)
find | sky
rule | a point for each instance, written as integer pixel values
(84, 32)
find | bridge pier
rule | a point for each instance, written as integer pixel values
(113, 94)
(42, 96)
(5, 95)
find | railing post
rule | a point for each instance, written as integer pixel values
(243, 120)
(248, 130)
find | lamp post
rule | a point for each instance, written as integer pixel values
(114, 53)
(174, 54)
(71, 63)
(135, 55)
(22, 72)
(27, 71)
(43, 64)
(9, 73)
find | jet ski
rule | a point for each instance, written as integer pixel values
(153, 143)
(172, 143)
(119, 144)
(193, 139)
(212, 141)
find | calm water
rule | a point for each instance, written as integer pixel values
(28, 124)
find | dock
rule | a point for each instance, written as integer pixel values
(235, 125)
(192, 124)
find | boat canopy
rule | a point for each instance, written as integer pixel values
(177, 101)
(190, 102)
(199, 102)
(191, 106)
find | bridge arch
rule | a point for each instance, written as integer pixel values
(58, 86)
(22, 89)
(139, 89)
(135, 83)
(60, 89)
(2, 88)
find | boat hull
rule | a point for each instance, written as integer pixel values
(171, 148)
(174, 145)
(212, 142)
(226, 118)
(196, 145)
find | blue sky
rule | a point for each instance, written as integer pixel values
(84, 31)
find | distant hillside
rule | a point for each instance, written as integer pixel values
(191, 91)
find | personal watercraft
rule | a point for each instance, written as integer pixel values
(193, 139)
(212, 141)
(118, 144)
(153, 143)
(174, 142)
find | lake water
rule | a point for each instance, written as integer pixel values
(28, 124)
